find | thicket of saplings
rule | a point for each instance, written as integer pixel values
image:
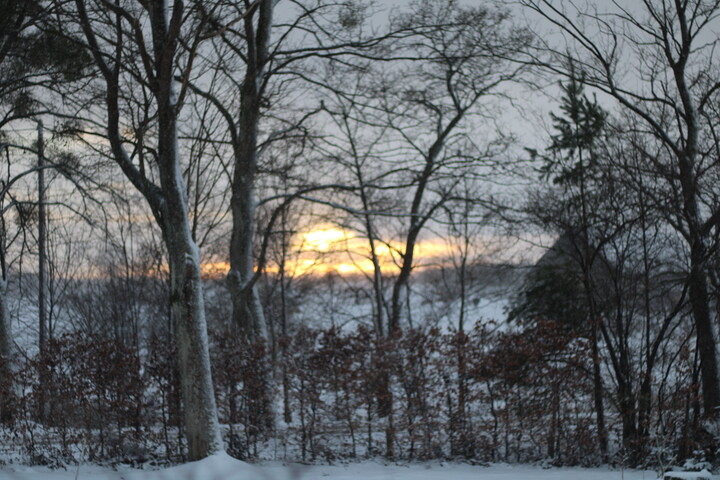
(519, 394)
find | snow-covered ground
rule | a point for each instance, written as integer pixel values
(224, 467)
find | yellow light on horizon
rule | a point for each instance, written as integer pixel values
(214, 269)
(328, 249)
(324, 240)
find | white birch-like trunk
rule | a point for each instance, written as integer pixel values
(187, 309)
(168, 201)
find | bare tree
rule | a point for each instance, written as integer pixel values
(405, 137)
(666, 42)
(130, 56)
(24, 212)
(271, 58)
(25, 69)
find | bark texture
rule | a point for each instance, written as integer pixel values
(6, 377)
(187, 308)
(168, 201)
(248, 314)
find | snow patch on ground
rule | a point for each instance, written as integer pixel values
(219, 466)
(224, 467)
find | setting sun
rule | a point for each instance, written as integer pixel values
(325, 239)
(327, 249)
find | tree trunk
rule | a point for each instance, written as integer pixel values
(688, 176)
(287, 411)
(598, 396)
(554, 421)
(42, 269)
(168, 202)
(187, 308)
(6, 376)
(247, 309)
(203, 430)
(629, 425)
(645, 409)
(42, 241)
(705, 341)
(248, 313)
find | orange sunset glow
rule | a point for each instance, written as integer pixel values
(332, 249)
(328, 249)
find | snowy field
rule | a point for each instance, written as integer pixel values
(223, 467)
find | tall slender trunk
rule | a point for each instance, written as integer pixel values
(42, 269)
(168, 201)
(705, 341)
(463, 281)
(688, 177)
(6, 376)
(554, 420)
(248, 313)
(587, 270)
(187, 309)
(287, 411)
(42, 240)
(598, 394)
(645, 392)
(644, 408)
(628, 414)
(377, 274)
(697, 283)
(377, 268)
(461, 444)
